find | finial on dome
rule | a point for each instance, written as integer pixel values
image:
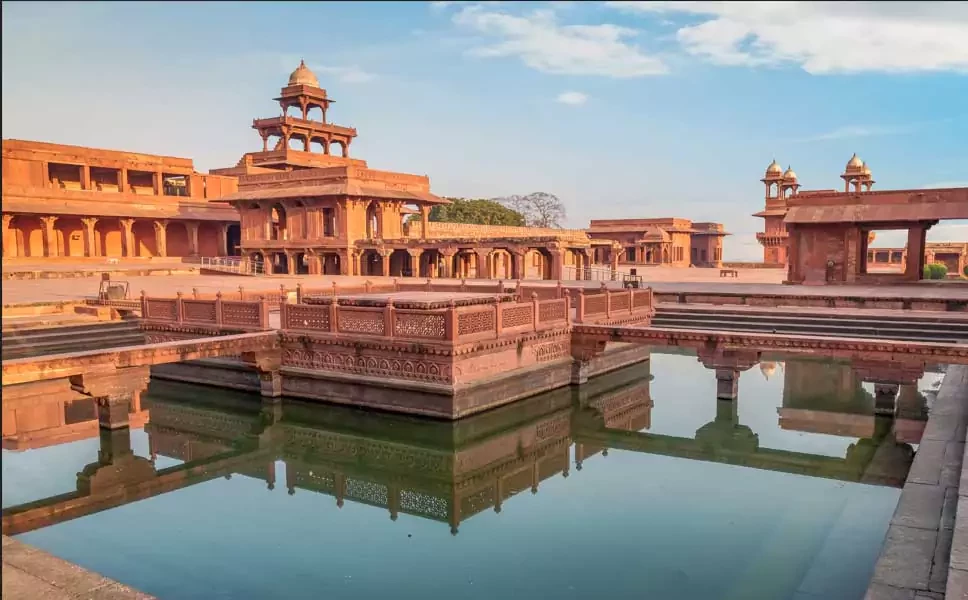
(855, 163)
(303, 76)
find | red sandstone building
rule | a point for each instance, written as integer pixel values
(823, 236)
(819, 216)
(666, 242)
(70, 201)
(307, 209)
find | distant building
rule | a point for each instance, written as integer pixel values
(668, 242)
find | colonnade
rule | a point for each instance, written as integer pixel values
(31, 235)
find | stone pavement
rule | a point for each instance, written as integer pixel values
(661, 280)
(921, 539)
(29, 573)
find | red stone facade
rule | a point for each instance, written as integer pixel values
(651, 242)
(84, 202)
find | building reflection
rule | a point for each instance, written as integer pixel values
(451, 471)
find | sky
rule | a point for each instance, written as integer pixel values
(621, 109)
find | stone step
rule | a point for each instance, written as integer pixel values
(852, 314)
(12, 351)
(819, 328)
(951, 329)
(48, 333)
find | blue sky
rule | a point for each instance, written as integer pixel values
(622, 109)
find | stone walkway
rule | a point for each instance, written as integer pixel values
(29, 573)
(921, 540)
(58, 290)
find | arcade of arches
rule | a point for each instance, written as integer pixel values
(32, 236)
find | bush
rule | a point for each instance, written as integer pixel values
(935, 271)
(965, 271)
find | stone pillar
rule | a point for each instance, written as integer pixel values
(127, 237)
(517, 264)
(161, 239)
(9, 248)
(885, 395)
(356, 255)
(90, 248)
(192, 237)
(112, 411)
(613, 259)
(448, 256)
(158, 183)
(291, 266)
(86, 177)
(727, 384)
(50, 238)
(223, 240)
(424, 221)
(557, 263)
(122, 180)
(385, 262)
(915, 253)
(483, 272)
(415, 262)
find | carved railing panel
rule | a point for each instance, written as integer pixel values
(479, 320)
(420, 324)
(160, 309)
(552, 310)
(199, 311)
(517, 315)
(241, 314)
(356, 320)
(313, 317)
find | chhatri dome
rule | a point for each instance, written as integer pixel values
(773, 169)
(855, 164)
(790, 174)
(303, 76)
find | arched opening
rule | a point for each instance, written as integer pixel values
(278, 223)
(70, 236)
(314, 113)
(337, 148)
(233, 240)
(317, 145)
(29, 233)
(537, 264)
(371, 263)
(108, 238)
(280, 262)
(500, 265)
(208, 242)
(665, 255)
(372, 222)
(145, 243)
(176, 239)
(301, 263)
(430, 263)
(297, 141)
(293, 110)
(400, 264)
(331, 264)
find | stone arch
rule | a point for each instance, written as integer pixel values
(538, 264)
(371, 263)
(373, 221)
(279, 262)
(430, 263)
(108, 238)
(665, 254)
(400, 264)
(298, 141)
(29, 234)
(333, 144)
(69, 232)
(176, 239)
(208, 240)
(145, 243)
(318, 145)
(331, 263)
(277, 222)
(233, 240)
(301, 261)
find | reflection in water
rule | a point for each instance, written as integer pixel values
(450, 473)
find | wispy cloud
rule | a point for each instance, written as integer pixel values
(859, 131)
(348, 74)
(543, 44)
(572, 98)
(823, 37)
(945, 184)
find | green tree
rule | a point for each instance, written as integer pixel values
(476, 210)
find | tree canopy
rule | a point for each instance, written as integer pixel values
(476, 210)
(540, 209)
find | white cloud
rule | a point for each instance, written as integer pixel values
(823, 37)
(543, 44)
(857, 131)
(945, 184)
(573, 98)
(351, 74)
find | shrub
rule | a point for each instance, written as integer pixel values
(965, 271)
(935, 271)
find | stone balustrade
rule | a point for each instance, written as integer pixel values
(235, 314)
